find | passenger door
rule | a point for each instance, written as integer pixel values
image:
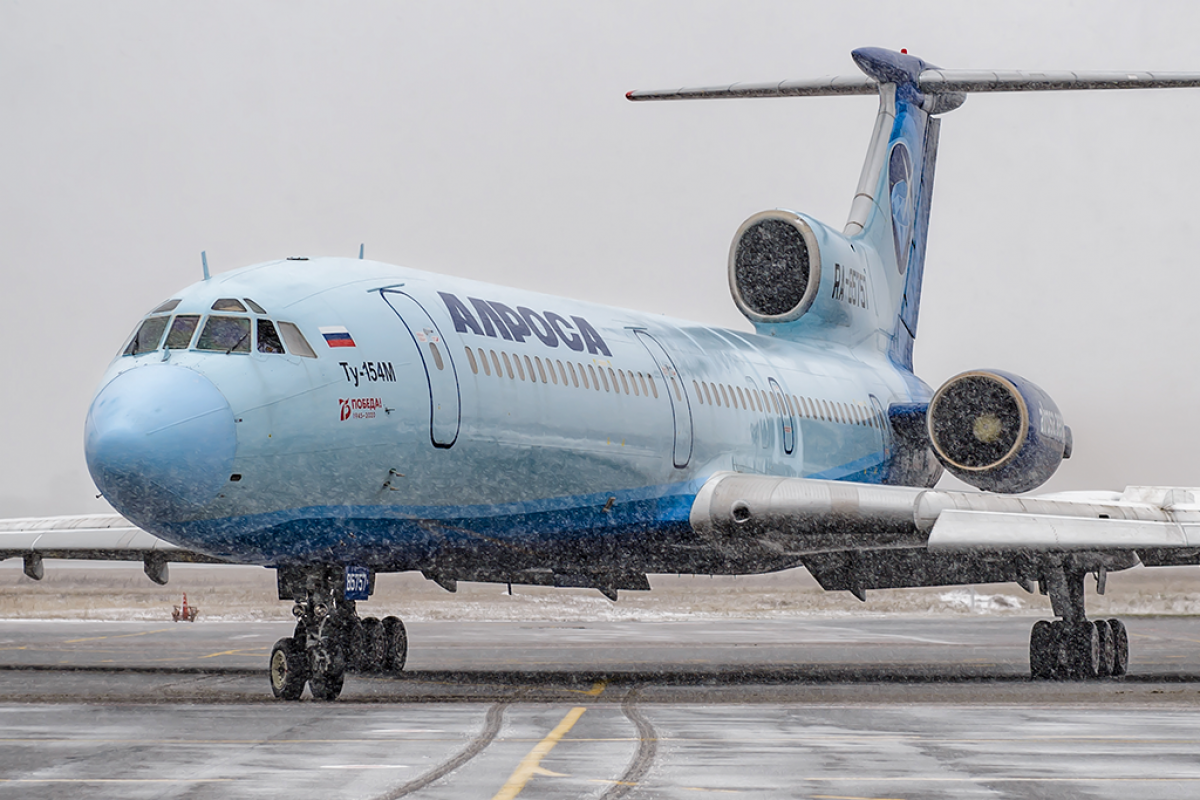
(445, 414)
(681, 408)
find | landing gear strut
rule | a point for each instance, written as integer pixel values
(330, 639)
(1074, 647)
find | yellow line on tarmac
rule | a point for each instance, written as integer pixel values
(596, 690)
(529, 765)
(119, 636)
(242, 651)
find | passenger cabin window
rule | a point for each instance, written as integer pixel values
(228, 304)
(268, 338)
(182, 328)
(255, 307)
(297, 345)
(148, 335)
(228, 334)
(170, 305)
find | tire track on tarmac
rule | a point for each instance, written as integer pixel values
(647, 748)
(491, 727)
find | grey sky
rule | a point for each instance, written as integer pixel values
(493, 141)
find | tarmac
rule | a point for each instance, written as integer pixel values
(840, 708)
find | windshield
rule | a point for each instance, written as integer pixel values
(229, 334)
(148, 335)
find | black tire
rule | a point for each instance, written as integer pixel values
(374, 652)
(326, 687)
(1042, 650)
(1120, 647)
(356, 645)
(288, 669)
(1083, 650)
(397, 644)
(1108, 650)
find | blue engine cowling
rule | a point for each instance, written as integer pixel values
(997, 431)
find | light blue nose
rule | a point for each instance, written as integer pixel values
(160, 442)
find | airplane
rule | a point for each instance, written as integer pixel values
(338, 418)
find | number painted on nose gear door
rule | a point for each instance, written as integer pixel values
(358, 583)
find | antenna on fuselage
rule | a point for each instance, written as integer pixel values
(360, 252)
(204, 262)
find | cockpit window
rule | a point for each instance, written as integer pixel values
(230, 334)
(268, 339)
(182, 328)
(297, 345)
(255, 307)
(165, 307)
(148, 335)
(228, 304)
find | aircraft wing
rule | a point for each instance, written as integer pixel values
(103, 537)
(1161, 525)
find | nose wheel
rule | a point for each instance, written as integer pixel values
(331, 640)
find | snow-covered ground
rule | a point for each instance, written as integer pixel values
(122, 592)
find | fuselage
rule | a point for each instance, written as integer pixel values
(461, 428)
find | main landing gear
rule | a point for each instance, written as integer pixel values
(330, 638)
(1074, 647)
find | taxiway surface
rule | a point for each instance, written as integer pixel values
(878, 707)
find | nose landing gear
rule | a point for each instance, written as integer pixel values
(1074, 647)
(330, 639)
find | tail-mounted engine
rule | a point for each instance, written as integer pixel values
(774, 267)
(997, 431)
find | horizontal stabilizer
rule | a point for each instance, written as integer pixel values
(811, 87)
(883, 66)
(938, 81)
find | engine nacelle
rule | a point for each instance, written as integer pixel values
(774, 267)
(997, 431)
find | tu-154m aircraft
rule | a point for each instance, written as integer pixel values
(338, 418)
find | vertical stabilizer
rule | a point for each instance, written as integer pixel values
(890, 210)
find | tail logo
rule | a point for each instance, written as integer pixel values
(900, 186)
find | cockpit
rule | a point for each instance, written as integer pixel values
(232, 325)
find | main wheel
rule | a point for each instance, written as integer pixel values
(1108, 650)
(289, 669)
(397, 644)
(1120, 647)
(1083, 650)
(374, 646)
(1042, 650)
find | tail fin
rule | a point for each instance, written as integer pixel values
(890, 211)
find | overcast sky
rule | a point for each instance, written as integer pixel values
(493, 141)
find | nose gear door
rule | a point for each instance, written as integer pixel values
(445, 410)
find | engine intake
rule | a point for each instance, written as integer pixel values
(997, 431)
(774, 267)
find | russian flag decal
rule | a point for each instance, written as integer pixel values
(337, 336)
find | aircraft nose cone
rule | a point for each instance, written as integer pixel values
(160, 442)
